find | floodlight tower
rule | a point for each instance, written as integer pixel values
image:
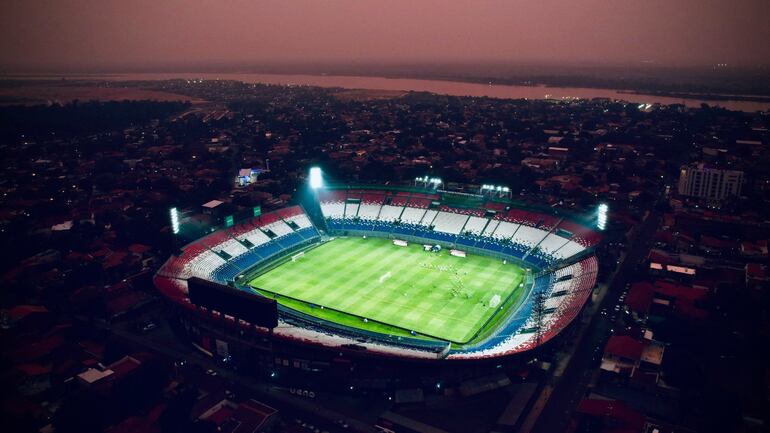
(601, 216)
(428, 182)
(316, 178)
(309, 198)
(495, 190)
(174, 216)
(174, 213)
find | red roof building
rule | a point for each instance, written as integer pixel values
(616, 416)
(624, 347)
(756, 274)
(639, 299)
(622, 355)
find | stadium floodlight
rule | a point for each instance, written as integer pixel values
(494, 189)
(174, 220)
(426, 181)
(601, 220)
(316, 179)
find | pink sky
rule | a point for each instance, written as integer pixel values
(90, 34)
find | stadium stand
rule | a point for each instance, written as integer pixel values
(280, 228)
(367, 211)
(580, 234)
(289, 212)
(520, 333)
(491, 227)
(427, 219)
(215, 238)
(203, 265)
(255, 236)
(240, 229)
(412, 215)
(540, 240)
(390, 213)
(475, 225)
(505, 230)
(449, 222)
(552, 245)
(351, 210)
(462, 211)
(419, 202)
(232, 247)
(301, 220)
(494, 206)
(373, 197)
(333, 209)
(570, 249)
(529, 235)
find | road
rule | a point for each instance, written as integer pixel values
(572, 386)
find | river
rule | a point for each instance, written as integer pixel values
(455, 88)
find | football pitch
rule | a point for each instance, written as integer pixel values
(396, 289)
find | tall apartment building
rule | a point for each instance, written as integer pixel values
(697, 180)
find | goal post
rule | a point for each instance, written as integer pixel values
(297, 256)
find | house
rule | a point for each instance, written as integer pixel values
(757, 275)
(598, 415)
(622, 355)
(249, 416)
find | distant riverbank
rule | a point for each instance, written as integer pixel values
(748, 103)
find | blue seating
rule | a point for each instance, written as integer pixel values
(236, 265)
(490, 244)
(247, 260)
(516, 323)
(462, 240)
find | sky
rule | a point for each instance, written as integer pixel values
(88, 35)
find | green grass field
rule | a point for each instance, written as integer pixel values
(398, 289)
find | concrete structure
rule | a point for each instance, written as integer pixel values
(709, 183)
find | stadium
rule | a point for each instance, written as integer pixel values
(412, 272)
